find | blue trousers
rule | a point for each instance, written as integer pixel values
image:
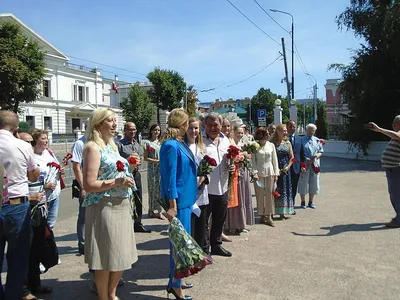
(15, 230)
(52, 207)
(184, 215)
(393, 179)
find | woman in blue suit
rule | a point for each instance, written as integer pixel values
(178, 182)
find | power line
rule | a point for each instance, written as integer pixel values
(109, 66)
(228, 84)
(302, 65)
(253, 22)
(269, 15)
(263, 69)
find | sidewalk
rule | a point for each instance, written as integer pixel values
(341, 250)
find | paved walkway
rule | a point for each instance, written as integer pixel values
(341, 250)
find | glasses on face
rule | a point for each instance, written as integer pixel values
(29, 142)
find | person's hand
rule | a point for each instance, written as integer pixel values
(276, 178)
(200, 180)
(374, 127)
(171, 213)
(285, 170)
(255, 176)
(303, 170)
(231, 169)
(125, 182)
(50, 186)
(62, 170)
(83, 193)
(137, 157)
(36, 197)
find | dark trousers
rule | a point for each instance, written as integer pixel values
(80, 223)
(295, 181)
(37, 248)
(138, 198)
(393, 179)
(199, 226)
(15, 230)
(217, 208)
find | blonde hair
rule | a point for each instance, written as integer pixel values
(92, 131)
(199, 139)
(279, 128)
(176, 119)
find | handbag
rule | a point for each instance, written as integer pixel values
(49, 257)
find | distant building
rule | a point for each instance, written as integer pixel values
(337, 112)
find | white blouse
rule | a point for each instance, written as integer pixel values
(265, 161)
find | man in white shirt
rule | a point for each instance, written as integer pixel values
(216, 146)
(15, 227)
(78, 191)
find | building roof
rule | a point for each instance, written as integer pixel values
(45, 45)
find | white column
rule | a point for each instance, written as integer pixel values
(278, 112)
(50, 137)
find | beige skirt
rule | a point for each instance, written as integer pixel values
(109, 237)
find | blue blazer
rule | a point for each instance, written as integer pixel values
(178, 174)
(296, 146)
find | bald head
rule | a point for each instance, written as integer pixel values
(130, 130)
(8, 120)
(26, 137)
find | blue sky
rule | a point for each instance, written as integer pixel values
(209, 42)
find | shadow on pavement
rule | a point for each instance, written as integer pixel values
(67, 238)
(340, 165)
(157, 228)
(337, 229)
(158, 244)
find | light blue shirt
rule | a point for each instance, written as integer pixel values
(311, 146)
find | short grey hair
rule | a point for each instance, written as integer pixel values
(213, 117)
(396, 119)
(311, 126)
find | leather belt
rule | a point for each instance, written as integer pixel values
(15, 201)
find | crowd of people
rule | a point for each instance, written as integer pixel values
(107, 179)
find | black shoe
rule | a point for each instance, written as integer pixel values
(172, 291)
(81, 250)
(220, 251)
(294, 212)
(141, 228)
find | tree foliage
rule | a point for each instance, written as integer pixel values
(22, 67)
(265, 99)
(371, 83)
(191, 100)
(305, 114)
(321, 123)
(168, 89)
(137, 107)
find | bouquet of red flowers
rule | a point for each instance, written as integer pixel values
(67, 158)
(206, 166)
(188, 256)
(54, 168)
(233, 156)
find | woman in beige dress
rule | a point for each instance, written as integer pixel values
(110, 246)
(266, 170)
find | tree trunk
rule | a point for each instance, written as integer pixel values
(16, 105)
(158, 115)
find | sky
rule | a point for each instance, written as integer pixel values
(207, 41)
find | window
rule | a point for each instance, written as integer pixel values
(102, 97)
(48, 123)
(76, 124)
(31, 121)
(87, 94)
(80, 93)
(46, 88)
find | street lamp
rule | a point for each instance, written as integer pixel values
(286, 13)
(314, 96)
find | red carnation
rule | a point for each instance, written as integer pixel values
(294, 160)
(276, 194)
(150, 149)
(120, 166)
(322, 142)
(132, 161)
(67, 158)
(54, 164)
(303, 165)
(211, 161)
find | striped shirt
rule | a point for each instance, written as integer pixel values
(391, 155)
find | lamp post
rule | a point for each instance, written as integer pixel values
(292, 34)
(315, 87)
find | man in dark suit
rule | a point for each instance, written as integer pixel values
(296, 146)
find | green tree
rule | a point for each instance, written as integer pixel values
(137, 107)
(370, 83)
(305, 114)
(321, 123)
(192, 100)
(22, 67)
(168, 89)
(265, 99)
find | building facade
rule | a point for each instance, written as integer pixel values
(337, 112)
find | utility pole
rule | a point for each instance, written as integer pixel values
(315, 102)
(286, 71)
